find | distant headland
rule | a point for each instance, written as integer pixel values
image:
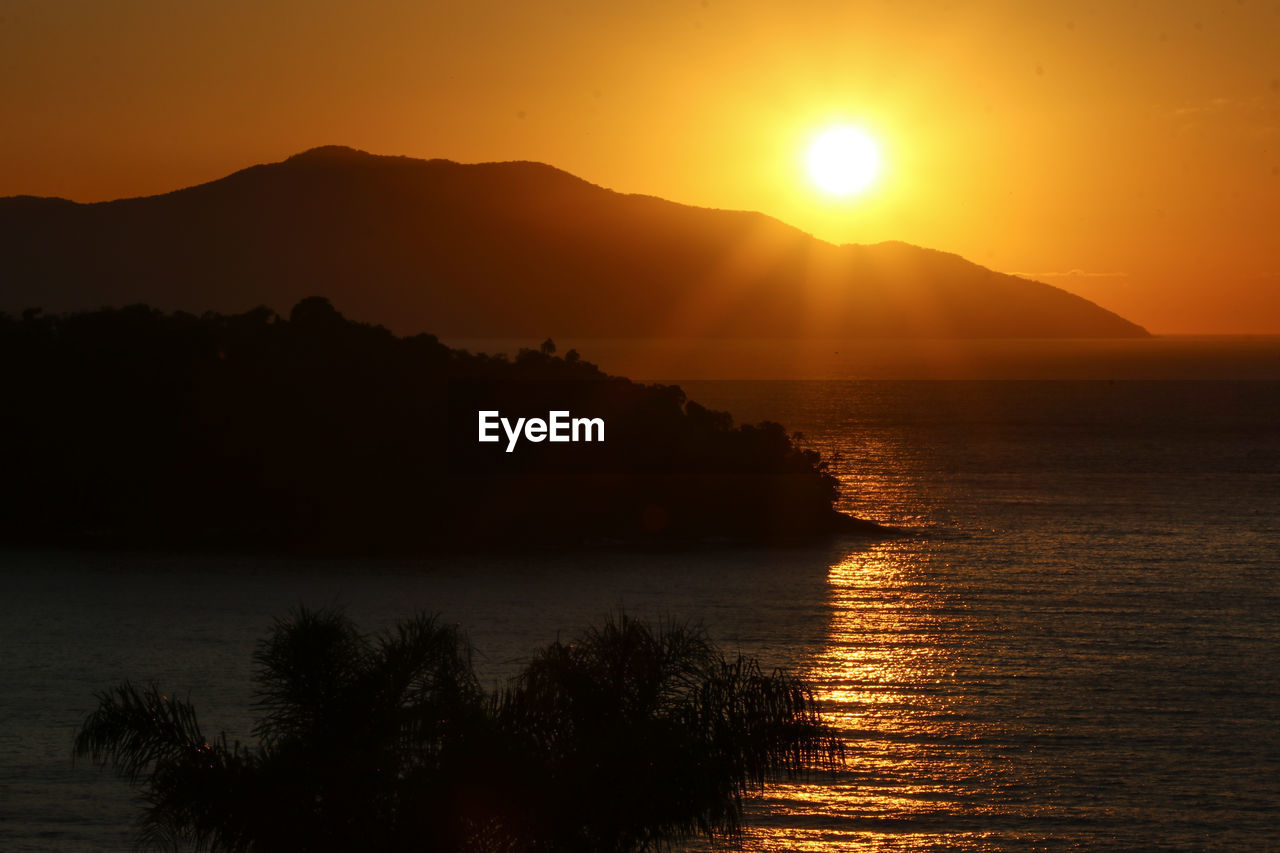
(513, 249)
(133, 427)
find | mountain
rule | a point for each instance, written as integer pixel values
(504, 250)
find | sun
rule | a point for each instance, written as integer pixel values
(843, 161)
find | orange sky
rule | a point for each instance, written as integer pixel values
(1127, 151)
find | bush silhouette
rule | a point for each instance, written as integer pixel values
(627, 739)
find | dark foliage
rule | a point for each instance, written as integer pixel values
(138, 427)
(627, 739)
(646, 736)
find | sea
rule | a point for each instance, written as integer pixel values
(1069, 643)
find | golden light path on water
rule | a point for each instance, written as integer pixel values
(886, 683)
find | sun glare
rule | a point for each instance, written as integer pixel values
(843, 161)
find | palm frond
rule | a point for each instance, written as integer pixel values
(306, 667)
(190, 786)
(134, 730)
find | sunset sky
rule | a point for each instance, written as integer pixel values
(1126, 151)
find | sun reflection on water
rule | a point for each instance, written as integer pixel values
(881, 653)
(885, 680)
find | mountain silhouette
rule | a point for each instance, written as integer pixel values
(514, 249)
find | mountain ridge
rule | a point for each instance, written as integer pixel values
(508, 249)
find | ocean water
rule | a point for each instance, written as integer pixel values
(1072, 644)
(1076, 645)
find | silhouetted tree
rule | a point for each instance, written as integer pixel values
(627, 739)
(635, 737)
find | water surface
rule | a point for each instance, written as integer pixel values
(1072, 647)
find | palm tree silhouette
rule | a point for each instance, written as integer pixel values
(629, 738)
(645, 737)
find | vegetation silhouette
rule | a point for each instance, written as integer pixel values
(629, 738)
(315, 433)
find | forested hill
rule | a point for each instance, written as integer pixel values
(315, 433)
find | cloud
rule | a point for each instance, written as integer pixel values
(1255, 114)
(1072, 274)
(1213, 105)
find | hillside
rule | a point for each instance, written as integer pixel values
(504, 250)
(314, 433)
